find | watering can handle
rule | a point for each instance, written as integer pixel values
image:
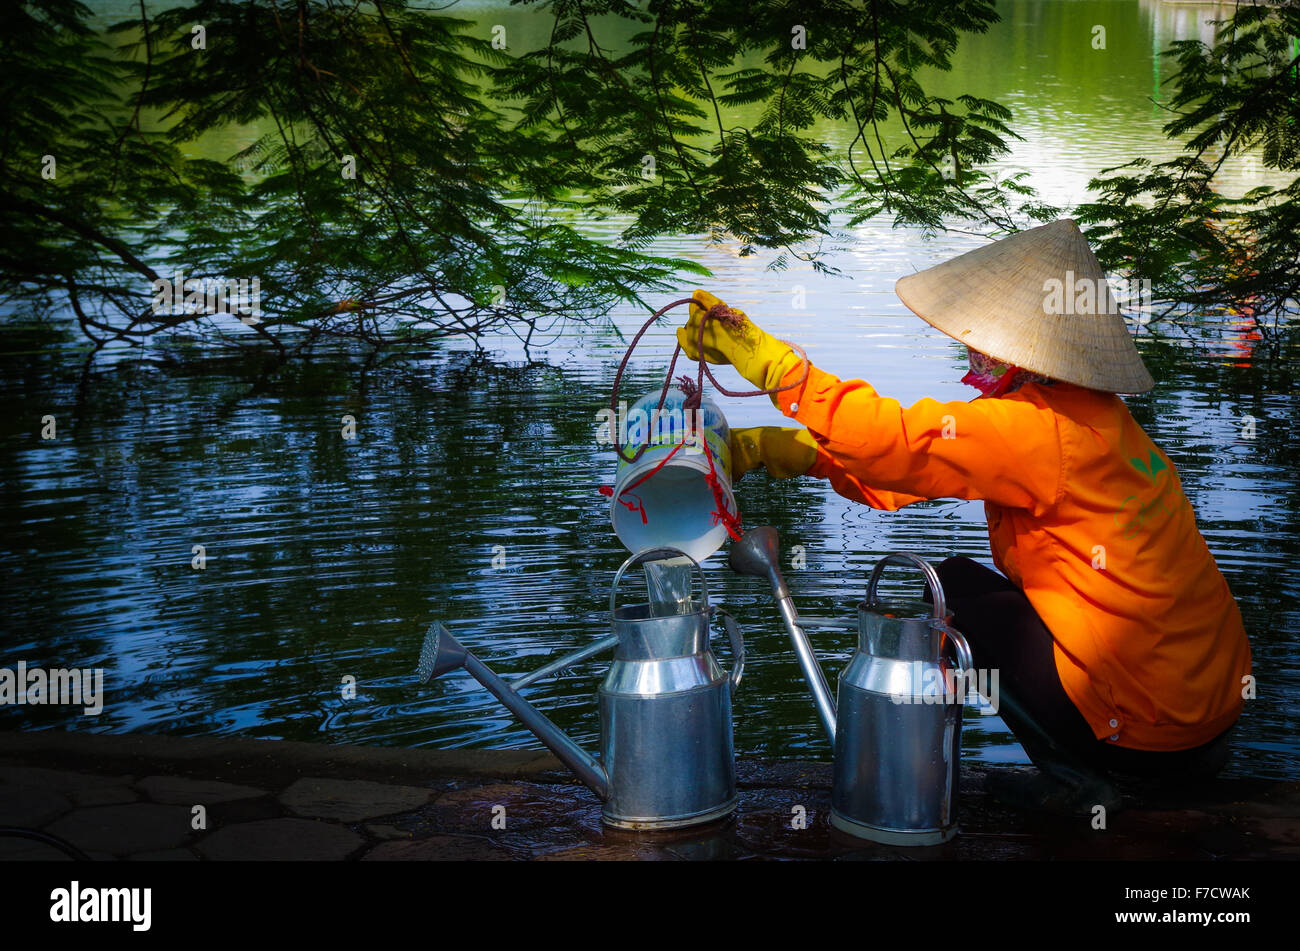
(737, 648)
(965, 661)
(646, 553)
(931, 577)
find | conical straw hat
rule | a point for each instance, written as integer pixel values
(1037, 300)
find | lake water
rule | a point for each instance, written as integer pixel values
(470, 493)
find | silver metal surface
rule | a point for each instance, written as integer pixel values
(439, 655)
(666, 553)
(674, 755)
(665, 710)
(906, 837)
(898, 748)
(896, 762)
(651, 678)
(663, 823)
(568, 660)
(758, 553)
(642, 636)
(442, 653)
(737, 649)
(896, 729)
(906, 558)
(965, 661)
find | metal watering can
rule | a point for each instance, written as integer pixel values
(897, 728)
(666, 756)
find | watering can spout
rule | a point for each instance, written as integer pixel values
(441, 653)
(758, 553)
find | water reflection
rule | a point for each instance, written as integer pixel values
(470, 491)
(470, 495)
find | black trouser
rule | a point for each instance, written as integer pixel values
(1006, 634)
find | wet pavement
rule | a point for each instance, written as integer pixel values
(160, 798)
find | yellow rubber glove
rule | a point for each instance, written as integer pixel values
(757, 356)
(785, 451)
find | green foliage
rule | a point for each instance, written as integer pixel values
(1168, 223)
(472, 163)
(914, 156)
(424, 231)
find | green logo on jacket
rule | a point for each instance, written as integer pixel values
(1133, 513)
(1150, 467)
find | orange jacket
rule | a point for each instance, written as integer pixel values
(1086, 516)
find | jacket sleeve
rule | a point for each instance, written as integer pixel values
(1005, 451)
(845, 483)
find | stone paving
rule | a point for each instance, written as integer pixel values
(154, 798)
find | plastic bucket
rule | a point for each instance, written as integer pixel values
(664, 499)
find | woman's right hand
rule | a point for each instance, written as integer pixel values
(734, 338)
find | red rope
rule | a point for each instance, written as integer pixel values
(716, 312)
(694, 398)
(618, 378)
(660, 464)
(731, 521)
(637, 506)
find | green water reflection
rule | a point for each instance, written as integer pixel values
(470, 493)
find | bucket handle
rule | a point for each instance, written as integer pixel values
(642, 556)
(737, 648)
(931, 577)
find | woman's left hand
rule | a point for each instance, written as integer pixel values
(784, 451)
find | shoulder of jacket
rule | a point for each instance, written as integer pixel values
(1058, 403)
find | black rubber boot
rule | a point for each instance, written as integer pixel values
(1043, 792)
(1064, 785)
